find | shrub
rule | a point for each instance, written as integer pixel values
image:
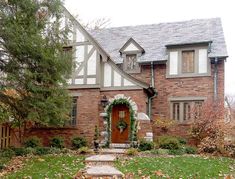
(182, 141)
(132, 152)
(176, 152)
(146, 145)
(2, 166)
(209, 145)
(154, 152)
(32, 142)
(30, 150)
(42, 150)
(168, 142)
(165, 124)
(79, 142)
(84, 150)
(57, 142)
(8, 153)
(54, 150)
(190, 150)
(64, 150)
(209, 128)
(163, 151)
(20, 151)
(230, 149)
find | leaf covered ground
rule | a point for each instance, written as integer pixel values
(50, 166)
(177, 167)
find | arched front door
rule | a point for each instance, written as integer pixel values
(120, 124)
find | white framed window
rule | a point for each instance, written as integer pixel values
(188, 62)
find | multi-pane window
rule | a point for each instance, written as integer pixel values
(73, 114)
(131, 64)
(188, 61)
(183, 111)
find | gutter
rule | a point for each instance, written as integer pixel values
(155, 92)
(216, 79)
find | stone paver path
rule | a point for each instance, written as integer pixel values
(102, 165)
(104, 171)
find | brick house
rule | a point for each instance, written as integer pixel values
(127, 77)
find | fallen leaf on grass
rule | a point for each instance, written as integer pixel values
(159, 173)
(228, 177)
(41, 160)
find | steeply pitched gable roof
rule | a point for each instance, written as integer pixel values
(154, 38)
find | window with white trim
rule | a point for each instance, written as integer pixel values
(186, 62)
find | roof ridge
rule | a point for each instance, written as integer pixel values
(153, 24)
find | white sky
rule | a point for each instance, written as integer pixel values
(136, 12)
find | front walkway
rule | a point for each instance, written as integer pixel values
(102, 165)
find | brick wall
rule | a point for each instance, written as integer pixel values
(138, 96)
(179, 87)
(87, 118)
(89, 106)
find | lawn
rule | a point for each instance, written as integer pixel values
(177, 167)
(50, 166)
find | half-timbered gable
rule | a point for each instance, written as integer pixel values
(93, 67)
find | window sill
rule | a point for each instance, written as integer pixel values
(185, 123)
(188, 75)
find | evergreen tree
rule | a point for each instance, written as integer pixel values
(33, 65)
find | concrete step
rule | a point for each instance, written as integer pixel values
(100, 160)
(119, 146)
(104, 171)
(113, 151)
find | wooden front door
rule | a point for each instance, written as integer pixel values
(120, 117)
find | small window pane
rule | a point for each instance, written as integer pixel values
(198, 107)
(73, 117)
(176, 111)
(187, 61)
(202, 60)
(187, 111)
(173, 63)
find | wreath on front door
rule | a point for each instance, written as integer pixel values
(121, 125)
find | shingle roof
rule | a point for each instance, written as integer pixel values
(154, 38)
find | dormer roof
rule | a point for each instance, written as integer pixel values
(131, 46)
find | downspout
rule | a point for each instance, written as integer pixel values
(155, 94)
(216, 79)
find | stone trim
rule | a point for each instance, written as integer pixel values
(187, 98)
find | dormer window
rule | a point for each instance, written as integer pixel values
(130, 53)
(188, 61)
(130, 64)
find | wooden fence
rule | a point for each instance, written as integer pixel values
(5, 136)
